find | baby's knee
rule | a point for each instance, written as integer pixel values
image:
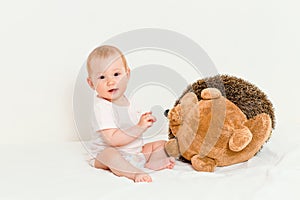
(161, 142)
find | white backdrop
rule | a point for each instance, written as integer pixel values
(43, 45)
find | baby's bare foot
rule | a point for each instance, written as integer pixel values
(167, 163)
(142, 178)
(172, 163)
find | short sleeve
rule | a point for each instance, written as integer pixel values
(104, 117)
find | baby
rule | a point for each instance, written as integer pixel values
(118, 145)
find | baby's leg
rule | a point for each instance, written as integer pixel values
(111, 159)
(156, 156)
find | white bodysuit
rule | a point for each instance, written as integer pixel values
(108, 115)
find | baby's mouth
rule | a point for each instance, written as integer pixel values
(112, 90)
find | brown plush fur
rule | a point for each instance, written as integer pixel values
(214, 132)
(251, 102)
(249, 98)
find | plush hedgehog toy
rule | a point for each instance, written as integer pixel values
(219, 121)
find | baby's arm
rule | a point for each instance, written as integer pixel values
(117, 137)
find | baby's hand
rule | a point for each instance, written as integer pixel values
(146, 120)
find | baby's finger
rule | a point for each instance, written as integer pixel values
(151, 118)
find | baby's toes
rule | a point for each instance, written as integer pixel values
(147, 178)
(142, 178)
(172, 163)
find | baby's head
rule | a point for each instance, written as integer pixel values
(108, 72)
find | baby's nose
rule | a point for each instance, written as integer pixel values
(111, 80)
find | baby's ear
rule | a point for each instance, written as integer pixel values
(187, 102)
(128, 72)
(90, 82)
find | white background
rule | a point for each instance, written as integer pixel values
(43, 45)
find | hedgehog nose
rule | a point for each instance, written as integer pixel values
(166, 112)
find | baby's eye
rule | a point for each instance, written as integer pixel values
(117, 74)
(101, 77)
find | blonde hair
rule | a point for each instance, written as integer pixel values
(104, 52)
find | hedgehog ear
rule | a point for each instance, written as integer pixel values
(210, 93)
(187, 102)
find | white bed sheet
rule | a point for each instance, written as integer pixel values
(59, 171)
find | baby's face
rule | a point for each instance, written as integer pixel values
(110, 78)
